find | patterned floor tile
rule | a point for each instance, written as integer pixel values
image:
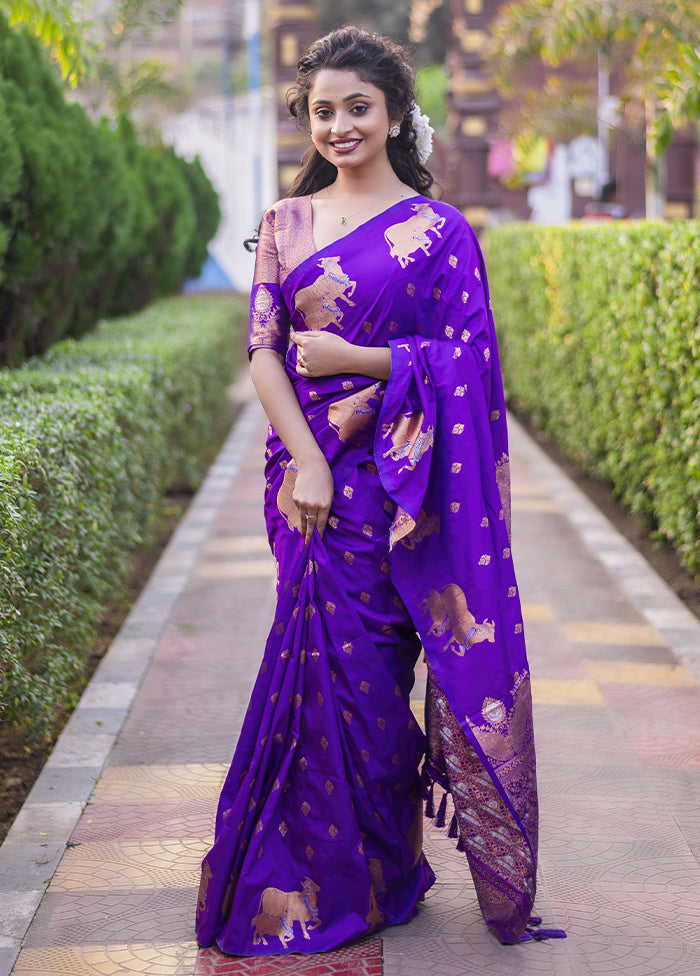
(643, 635)
(132, 864)
(75, 918)
(552, 691)
(149, 959)
(606, 859)
(104, 822)
(622, 672)
(158, 783)
(594, 956)
(478, 955)
(362, 959)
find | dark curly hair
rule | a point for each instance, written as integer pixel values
(380, 62)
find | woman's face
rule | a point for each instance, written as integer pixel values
(349, 119)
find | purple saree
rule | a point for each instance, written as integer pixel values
(319, 826)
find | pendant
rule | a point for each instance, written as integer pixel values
(343, 220)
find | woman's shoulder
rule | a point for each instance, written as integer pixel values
(285, 208)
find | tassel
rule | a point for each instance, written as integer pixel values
(442, 812)
(454, 831)
(535, 934)
(460, 845)
(429, 805)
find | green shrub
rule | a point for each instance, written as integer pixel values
(90, 438)
(92, 221)
(599, 328)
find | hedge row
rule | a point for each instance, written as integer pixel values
(92, 222)
(600, 334)
(90, 438)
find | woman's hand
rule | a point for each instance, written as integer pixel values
(313, 494)
(321, 353)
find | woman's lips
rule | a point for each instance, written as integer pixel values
(345, 145)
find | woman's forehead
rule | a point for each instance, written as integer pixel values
(341, 84)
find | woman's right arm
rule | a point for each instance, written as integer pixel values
(313, 490)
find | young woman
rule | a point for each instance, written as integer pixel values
(387, 504)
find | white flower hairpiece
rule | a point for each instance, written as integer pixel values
(424, 133)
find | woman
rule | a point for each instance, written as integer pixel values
(387, 505)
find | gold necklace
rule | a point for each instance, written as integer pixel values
(344, 218)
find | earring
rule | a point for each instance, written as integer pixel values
(394, 130)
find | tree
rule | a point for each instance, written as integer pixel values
(643, 43)
(61, 27)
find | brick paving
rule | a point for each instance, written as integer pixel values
(99, 873)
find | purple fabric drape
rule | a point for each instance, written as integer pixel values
(318, 834)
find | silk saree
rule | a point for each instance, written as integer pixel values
(319, 825)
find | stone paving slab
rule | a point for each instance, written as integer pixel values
(124, 809)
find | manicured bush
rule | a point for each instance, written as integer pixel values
(90, 438)
(92, 221)
(599, 328)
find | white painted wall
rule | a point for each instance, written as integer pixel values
(231, 137)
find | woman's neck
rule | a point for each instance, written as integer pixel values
(361, 184)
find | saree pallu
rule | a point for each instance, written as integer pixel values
(319, 826)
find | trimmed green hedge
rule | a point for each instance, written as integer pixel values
(93, 222)
(599, 328)
(90, 438)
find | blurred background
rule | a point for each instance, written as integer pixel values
(544, 110)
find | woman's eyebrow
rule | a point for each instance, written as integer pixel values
(348, 98)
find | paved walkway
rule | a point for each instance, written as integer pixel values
(99, 873)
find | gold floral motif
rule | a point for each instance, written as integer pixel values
(348, 557)
(333, 521)
(452, 260)
(456, 467)
(305, 807)
(319, 698)
(329, 787)
(411, 289)
(347, 715)
(330, 607)
(364, 687)
(485, 522)
(347, 647)
(367, 530)
(466, 335)
(348, 385)
(303, 763)
(347, 491)
(460, 391)
(465, 297)
(436, 294)
(485, 560)
(258, 827)
(381, 724)
(458, 429)
(512, 590)
(367, 327)
(324, 743)
(333, 831)
(495, 415)
(454, 506)
(309, 851)
(456, 353)
(364, 755)
(449, 331)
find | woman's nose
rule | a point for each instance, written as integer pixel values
(342, 123)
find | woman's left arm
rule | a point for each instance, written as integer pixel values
(327, 354)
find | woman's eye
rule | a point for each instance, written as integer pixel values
(322, 113)
(359, 109)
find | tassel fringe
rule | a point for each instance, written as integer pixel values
(454, 829)
(533, 933)
(442, 812)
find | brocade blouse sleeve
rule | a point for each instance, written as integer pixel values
(269, 316)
